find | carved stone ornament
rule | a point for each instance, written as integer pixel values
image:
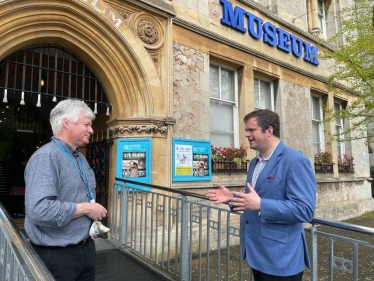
(147, 31)
(123, 14)
(138, 128)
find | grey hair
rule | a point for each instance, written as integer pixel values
(69, 109)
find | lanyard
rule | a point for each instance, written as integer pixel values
(85, 181)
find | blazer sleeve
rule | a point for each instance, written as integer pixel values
(298, 204)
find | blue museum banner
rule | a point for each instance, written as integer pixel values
(191, 160)
(134, 157)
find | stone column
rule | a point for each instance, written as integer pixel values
(330, 128)
(315, 29)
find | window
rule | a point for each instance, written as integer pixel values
(339, 129)
(264, 94)
(223, 106)
(317, 125)
(322, 17)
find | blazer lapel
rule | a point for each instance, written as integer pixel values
(273, 161)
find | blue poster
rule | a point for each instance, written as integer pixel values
(191, 160)
(134, 160)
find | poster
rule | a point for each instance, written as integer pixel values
(134, 160)
(191, 160)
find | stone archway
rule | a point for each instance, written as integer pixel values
(97, 35)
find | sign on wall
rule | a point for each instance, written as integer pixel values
(245, 22)
(191, 160)
(134, 159)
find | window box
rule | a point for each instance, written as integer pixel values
(229, 167)
(346, 168)
(323, 168)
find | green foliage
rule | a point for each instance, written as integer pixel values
(353, 69)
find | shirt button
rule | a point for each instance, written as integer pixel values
(247, 222)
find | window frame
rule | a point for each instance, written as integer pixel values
(320, 123)
(340, 151)
(322, 17)
(271, 82)
(234, 103)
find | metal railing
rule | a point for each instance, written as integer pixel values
(185, 236)
(18, 260)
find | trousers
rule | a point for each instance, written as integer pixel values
(74, 262)
(260, 276)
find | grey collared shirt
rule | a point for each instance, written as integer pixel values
(53, 188)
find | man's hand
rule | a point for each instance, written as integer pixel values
(94, 211)
(245, 201)
(219, 195)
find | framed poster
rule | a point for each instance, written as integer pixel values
(134, 160)
(191, 160)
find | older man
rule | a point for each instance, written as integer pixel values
(60, 196)
(280, 194)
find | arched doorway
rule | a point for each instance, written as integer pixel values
(134, 74)
(32, 81)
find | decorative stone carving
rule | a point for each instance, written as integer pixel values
(154, 58)
(123, 14)
(138, 128)
(147, 31)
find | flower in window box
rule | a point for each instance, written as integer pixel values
(345, 163)
(228, 153)
(322, 158)
(238, 161)
(323, 162)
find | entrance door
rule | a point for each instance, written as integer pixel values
(31, 82)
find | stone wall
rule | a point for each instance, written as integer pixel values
(293, 106)
(340, 200)
(191, 93)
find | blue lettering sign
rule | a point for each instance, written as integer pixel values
(310, 53)
(296, 46)
(252, 21)
(283, 40)
(232, 17)
(271, 35)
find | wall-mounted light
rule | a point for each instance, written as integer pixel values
(42, 81)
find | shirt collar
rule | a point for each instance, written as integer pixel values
(267, 159)
(67, 147)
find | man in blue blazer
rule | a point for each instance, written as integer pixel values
(280, 195)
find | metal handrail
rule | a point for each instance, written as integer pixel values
(130, 229)
(17, 257)
(345, 226)
(317, 221)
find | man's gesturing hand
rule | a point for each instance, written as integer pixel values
(219, 195)
(245, 201)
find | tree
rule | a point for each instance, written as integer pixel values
(353, 70)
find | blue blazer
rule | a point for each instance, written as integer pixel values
(274, 239)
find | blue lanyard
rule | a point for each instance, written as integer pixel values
(92, 200)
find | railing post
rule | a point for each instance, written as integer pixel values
(314, 244)
(124, 214)
(185, 260)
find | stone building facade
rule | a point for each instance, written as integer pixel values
(154, 61)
